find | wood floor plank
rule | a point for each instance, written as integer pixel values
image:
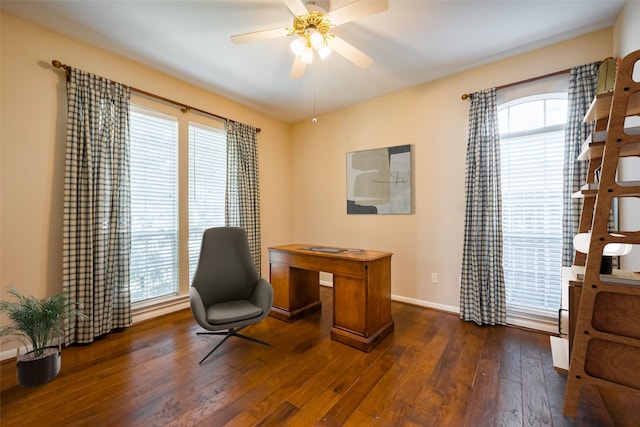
(510, 361)
(509, 403)
(453, 412)
(346, 406)
(556, 385)
(437, 391)
(485, 382)
(280, 416)
(325, 375)
(242, 420)
(313, 411)
(360, 419)
(435, 369)
(397, 391)
(535, 400)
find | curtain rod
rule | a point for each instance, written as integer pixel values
(183, 107)
(532, 79)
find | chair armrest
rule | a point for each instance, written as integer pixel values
(262, 295)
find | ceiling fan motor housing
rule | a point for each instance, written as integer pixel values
(312, 21)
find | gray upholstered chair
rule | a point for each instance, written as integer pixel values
(227, 293)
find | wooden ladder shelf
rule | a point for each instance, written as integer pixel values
(605, 350)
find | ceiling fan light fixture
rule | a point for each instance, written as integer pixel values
(298, 46)
(324, 52)
(307, 55)
(316, 39)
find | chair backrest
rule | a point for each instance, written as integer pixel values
(225, 270)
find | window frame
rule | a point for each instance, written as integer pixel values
(221, 139)
(522, 315)
(149, 308)
(135, 108)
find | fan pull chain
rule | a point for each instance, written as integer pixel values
(314, 120)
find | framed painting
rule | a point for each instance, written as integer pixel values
(379, 181)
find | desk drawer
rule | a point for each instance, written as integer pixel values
(337, 266)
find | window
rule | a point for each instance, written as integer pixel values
(154, 204)
(532, 147)
(169, 148)
(207, 185)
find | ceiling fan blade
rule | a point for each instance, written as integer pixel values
(296, 7)
(357, 9)
(297, 71)
(348, 51)
(260, 35)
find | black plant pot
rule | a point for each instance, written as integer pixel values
(34, 372)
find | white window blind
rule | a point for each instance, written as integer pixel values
(154, 204)
(207, 185)
(532, 221)
(532, 151)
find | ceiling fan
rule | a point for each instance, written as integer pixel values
(311, 29)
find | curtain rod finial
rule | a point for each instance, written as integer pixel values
(56, 63)
(465, 96)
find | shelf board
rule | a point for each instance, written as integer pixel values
(621, 277)
(587, 190)
(601, 106)
(591, 189)
(593, 146)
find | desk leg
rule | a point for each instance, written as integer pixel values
(361, 310)
(365, 344)
(362, 306)
(296, 292)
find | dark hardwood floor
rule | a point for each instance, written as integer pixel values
(434, 370)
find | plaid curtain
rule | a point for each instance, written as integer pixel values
(243, 189)
(97, 232)
(482, 294)
(582, 89)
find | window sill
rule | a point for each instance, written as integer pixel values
(158, 306)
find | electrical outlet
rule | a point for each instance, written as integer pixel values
(434, 278)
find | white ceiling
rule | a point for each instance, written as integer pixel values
(412, 43)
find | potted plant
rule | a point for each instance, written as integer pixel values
(37, 322)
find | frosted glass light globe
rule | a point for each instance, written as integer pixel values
(297, 46)
(316, 39)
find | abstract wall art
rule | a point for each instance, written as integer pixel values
(379, 181)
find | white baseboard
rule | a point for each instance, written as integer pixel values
(11, 353)
(412, 301)
(428, 304)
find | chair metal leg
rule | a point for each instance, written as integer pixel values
(214, 348)
(252, 339)
(227, 335)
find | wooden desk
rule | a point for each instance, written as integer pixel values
(361, 291)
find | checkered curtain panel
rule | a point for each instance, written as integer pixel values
(582, 89)
(97, 232)
(243, 189)
(482, 294)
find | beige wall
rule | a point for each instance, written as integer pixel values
(33, 114)
(433, 119)
(627, 29)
